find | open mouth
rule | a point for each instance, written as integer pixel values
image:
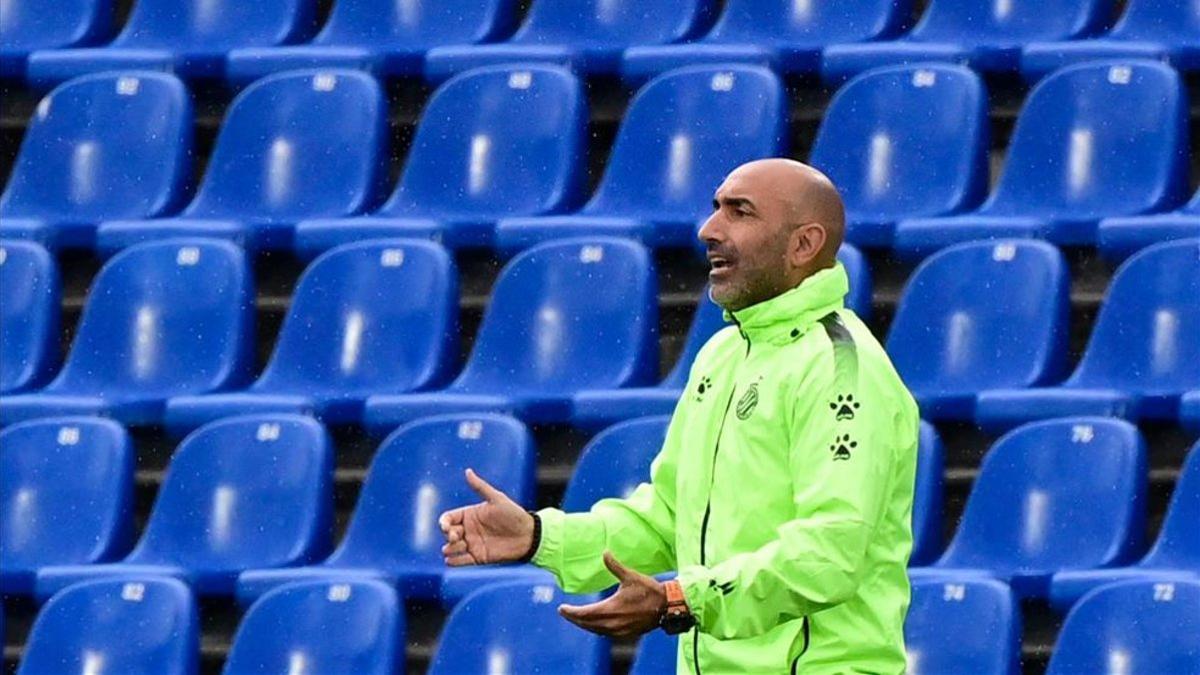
(719, 264)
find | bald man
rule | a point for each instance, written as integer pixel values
(782, 495)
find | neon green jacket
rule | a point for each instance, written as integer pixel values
(782, 495)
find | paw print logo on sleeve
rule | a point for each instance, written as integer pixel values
(844, 407)
(841, 447)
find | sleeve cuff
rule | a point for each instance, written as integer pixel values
(697, 585)
(549, 553)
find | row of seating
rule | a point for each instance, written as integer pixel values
(980, 333)
(358, 626)
(48, 43)
(1098, 157)
(245, 506)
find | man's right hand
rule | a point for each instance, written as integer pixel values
(497, 530)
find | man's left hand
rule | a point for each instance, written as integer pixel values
(637, 606)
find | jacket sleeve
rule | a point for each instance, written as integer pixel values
(842, 468)
(639, 530)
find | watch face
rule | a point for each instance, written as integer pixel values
(674, 624)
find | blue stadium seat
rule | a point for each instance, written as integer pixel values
(905, 142)
(132, 626)
(1093, 141)
(987, 36)
(928, 497)
(963, 626)
(1176, 552)
(319, 627)
(377, 316)
(684, 131)
(1163, 30)
(786, 36)
(385, 38)
(494, 142)
(1143, 353)
(162, 319)
(979, 316)
(596, 409)
(417, 474)
(1051, 496)
(1133, 627)
(1124, 235)
(30, 293)
(293, 146)
(589, 36)
(657, 654)
(66, 496)
(547, 335)
(515, 628)
(245, 492)
(30, 25)
(188, 37)
(100, 147)
(614, 462)
(1189, 410)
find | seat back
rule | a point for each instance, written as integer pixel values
(1055, 495)
(611, 22)
(683, 132)
(30, 295)
(415, 23)
(1097, 140)
(215, 25)
(566, 316)
(66, 493)
(1177, 546)
(927, 497)
(982, 315)
(963, 626)
(1131, 627)
(480, 635)
(1005, 22)
(499, 140)
(102, 147)
(296, 145)
(164, 319)
(417, 474)
(321, 627)
(657, 653)
(1166, 21)
(706, 321)
(243, 492)
(369, 317)
(615, 462)
(1144, 338)
(26, 25)
(129, 626)
(809, 23)
(906, 141)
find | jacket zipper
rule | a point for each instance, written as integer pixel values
(708, 505)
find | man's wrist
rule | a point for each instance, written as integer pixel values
(676, 617)
(535, 538)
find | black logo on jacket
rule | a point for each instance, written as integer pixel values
(748, 402)
(842, 445)
(844, 407)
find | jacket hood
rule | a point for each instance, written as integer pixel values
(790, 314)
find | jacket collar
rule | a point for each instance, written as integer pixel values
(787, 316)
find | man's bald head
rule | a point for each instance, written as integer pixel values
(807, 195)
(775, 222)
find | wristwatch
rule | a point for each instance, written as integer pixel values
(677, 618)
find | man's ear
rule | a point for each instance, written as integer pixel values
(805, 244)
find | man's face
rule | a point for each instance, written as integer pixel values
(747, 239)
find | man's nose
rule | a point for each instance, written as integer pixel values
(710, 230)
